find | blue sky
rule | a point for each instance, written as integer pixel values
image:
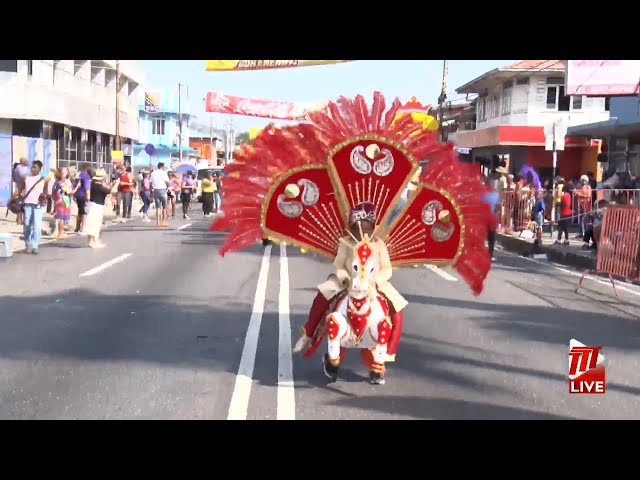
(402, 78)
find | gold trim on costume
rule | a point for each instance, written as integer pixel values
(409, 229)
(284, 238)
(343, 201)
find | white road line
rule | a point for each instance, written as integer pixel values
(286, 409)
(186, 225)
(442, 273)
(244, 378)
(575, 274)
(106, 265)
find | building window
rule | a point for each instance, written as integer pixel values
(506, 101)
(482, 112)
(157, 127)
(555, 81)
(607, 104)
(72, 148)
(522, 81)
(576, 103)
(29, 67)
(8, 65)
(556, 99)
(495, 106)
(101, 149)
(89, 148)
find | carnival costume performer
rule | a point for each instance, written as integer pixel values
(329, 186)
(361, 221)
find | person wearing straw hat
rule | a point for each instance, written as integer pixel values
(503, 177)
(100, 190)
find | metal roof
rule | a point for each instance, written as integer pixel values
(523, 66)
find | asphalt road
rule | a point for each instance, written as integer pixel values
(157, 325)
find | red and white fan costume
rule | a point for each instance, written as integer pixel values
(300, 184)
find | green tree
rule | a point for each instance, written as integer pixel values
(242, 137)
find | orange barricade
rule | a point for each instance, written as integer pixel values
(514, 212)
(619, 245)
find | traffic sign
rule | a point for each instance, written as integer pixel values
(555, 130)
(149, 149)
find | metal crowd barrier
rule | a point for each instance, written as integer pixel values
(618, 246)
(514, 209)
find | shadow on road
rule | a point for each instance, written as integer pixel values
(533, 322)
(84, 325)
(442, 408)
(461, 366)
(433, 359)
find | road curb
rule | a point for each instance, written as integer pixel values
(554, 254)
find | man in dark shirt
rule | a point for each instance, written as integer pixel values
(83, 195)
(20, 171)
(218, 194)
(115, 198)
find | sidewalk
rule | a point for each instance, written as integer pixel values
(8, 224)
(571, 255)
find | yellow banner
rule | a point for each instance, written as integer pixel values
(231, 65)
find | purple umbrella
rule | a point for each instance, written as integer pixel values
(526, 170)
(184, 168)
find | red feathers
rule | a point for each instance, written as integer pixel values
(464, 185)
(264, 168)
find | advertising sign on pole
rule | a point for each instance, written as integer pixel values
(117, 157)
(152, 102)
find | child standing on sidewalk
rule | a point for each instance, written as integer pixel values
(539, 209)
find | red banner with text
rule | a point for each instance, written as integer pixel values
(254, 107)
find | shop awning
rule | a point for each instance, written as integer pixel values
(185, 149)
(166, 148)
(511, 135)
(604, 129)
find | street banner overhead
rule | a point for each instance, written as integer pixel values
(603, 77)
(253, 107)
(231, 65)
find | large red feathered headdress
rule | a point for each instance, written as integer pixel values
(298, 184)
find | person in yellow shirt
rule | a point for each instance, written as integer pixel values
(208, 192)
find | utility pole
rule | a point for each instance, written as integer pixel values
(117, 104)
(211, 142)
(179, 122)
(229, 142)
(443, 98)
(555, 186)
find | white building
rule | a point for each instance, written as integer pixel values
(514, 104)
(71, 102)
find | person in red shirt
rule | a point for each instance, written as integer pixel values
(565, 216)
(125, 193)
